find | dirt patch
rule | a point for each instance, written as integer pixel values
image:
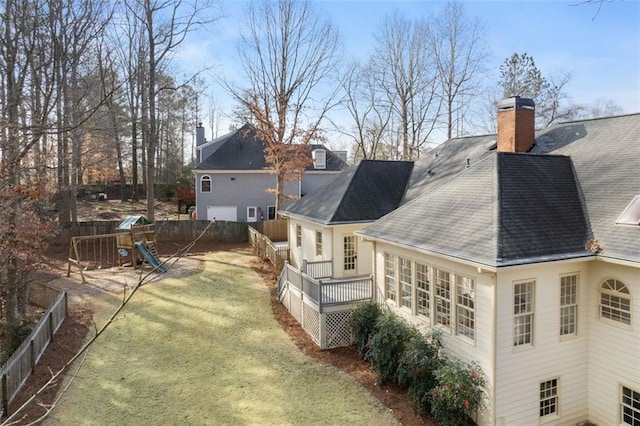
(75, 329)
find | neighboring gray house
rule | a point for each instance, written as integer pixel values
(232, 181)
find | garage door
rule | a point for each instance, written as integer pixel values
(229, 213)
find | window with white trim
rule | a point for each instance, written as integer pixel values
(549, 397)
(465, 306)
(569, 305)
(615, 301)
(390, 276)
(298, 236)
(318, 243)
(271, 212)
(630, 407)
(423, 290)
(406, 285)
(442, 297)
(205, 183)
(523, 308)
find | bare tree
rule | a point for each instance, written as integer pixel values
(288, 52)
(369, 110)
(405, 71)
(460, 57)
(165, 25)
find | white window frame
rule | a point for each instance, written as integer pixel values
(203, 179)
(569, 286)
(549, 398)
(390, 287)
(405, 278)
(442, 297)
(319, 243)
(298, 236)
(465, 306)
(423, 290)
(524, 293)
(319, 158)
(615, 302)
(629, 403)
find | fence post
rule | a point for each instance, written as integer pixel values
(50, 324)
(5, 392)
(32, 354)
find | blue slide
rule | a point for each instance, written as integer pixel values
(149, 257)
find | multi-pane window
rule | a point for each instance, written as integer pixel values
(298, 236)
(568, 305)
(423, 290)
(630, 407)
(549, 397)
(404, 276)
(205, 183)
(465, 306)
(615, 301)
(318, 243)
(523, 295)
(349, 242)
(442, 297)
(390, 276)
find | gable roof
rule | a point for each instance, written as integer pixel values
(508, 209)
(361, 193)
(242, 149)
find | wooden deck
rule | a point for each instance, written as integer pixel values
(323, 305)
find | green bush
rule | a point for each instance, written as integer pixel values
(363, 325)
(460, 392)
(417, 368)
(387, 346)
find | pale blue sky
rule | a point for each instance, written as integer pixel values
(601, 49)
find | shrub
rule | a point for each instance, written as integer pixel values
(417, 368)
(363, 325)
(387, 346)
(460, 392)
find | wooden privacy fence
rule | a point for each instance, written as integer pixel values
(166, 230)
(264, 248)
(15, 372)
(275, 230)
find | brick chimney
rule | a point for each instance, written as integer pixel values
(516, 124)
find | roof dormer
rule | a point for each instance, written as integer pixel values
(319, 158)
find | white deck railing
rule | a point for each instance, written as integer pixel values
(328, 292)
(318, 269)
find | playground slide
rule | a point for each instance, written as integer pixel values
(149, 257)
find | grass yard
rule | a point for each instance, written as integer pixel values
(205, 349)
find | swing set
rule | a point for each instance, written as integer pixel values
(118, 249)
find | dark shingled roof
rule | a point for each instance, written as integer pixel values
(243, 150)
(362, 193)
(520, 208)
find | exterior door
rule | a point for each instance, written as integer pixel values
(252, 214)
(349, 255)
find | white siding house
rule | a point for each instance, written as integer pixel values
(526, 261)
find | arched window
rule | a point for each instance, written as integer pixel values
(615, 301)
(205, 183)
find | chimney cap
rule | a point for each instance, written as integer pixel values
(516, 102)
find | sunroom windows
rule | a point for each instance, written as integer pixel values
(436, 295)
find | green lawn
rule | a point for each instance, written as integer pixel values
(206, 349)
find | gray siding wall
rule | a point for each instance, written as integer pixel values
(250, 189)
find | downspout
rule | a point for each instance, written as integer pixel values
(494, 277)
(374, 293)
